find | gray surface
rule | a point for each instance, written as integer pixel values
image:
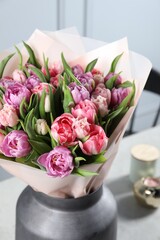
(134, 221)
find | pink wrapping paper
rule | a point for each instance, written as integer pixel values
(134, 67)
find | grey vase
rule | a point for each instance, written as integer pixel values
(40, 217)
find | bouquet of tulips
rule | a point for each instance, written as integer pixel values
(58, 116)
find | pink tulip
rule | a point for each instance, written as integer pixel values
(101, 104)
(1, 138)
(42, 86)
(19, 76)
(101, 97)
(55, 80)
(97, 76)
(81, 127)
(15, 144)
(62, 129)
(8, 116)
(96, 143)
(102, 91)
(86, 109)
(54, 70)
(58, 162)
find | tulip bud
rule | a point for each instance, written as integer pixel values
(47, 104)
(19, 76)
(41, 127)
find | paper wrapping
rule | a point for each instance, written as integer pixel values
(52, 44)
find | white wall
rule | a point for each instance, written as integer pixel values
(139, 20)
(107, 20)
(19, 18)
(110, 20)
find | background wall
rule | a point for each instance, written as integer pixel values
(107, 20)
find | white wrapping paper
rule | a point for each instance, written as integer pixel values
(134, 67)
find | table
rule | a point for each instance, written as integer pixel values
(135, 222)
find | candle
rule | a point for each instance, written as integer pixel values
(143, 161)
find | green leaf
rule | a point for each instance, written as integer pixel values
(111, 81)
(52, 104)
(6, 158)
(133, 95)
(4, 62)
(68, 70)
(8, 129)
(22, 124)
(125, 84)
(38, 73)
(73, 150)
(46, 68)
(18, 126)
(28, 125)
(66, 79)
(32, 57)
(2, 89)
(58, 101)
(42, 105)
(3, 132)
(40, 147)
(91, 65)
(43, 138)
(115, 113)
(25, 70)
(77, 161)
(114, 63)
(68, 101)
(32, 156)
(125, 101)
(22, 108)
(37, 165)
(84, 173)
(34, 100)
(53, 142)
(20, 65)
(23, 161)
(99, 158)
(73, 78)
(65, 64)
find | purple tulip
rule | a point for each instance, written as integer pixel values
(6, 82)
(15, 94)
(87, 80)
(32, 82)
(79, 93)
(117, 96)
(58, 162)
(77, 70)
(110, 75)
(15, 144)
